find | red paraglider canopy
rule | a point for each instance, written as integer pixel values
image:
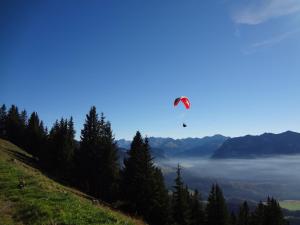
(184, 100)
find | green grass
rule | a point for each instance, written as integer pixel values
(292, 205)
(43, 201)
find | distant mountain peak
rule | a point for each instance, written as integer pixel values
(266, 144)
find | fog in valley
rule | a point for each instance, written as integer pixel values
(251, 179)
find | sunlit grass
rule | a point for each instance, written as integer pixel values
(43, 201)
(292, 205)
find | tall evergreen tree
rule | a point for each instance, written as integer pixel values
(23, 118)
(269, 213)
(142, 183)
(60, 153)
(89, 155)
(216, 209)
(35, 135)
(244, 214)
(23, 125)
(258, 215)
(133, 173)
(160, 203)
(197, 216)
(273, 213)
(14, 126)
(2, 121)
(97, 159)
(180, 201)
(109, 177)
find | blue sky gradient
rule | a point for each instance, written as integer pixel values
(237, 61)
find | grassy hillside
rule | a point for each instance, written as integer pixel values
(292, 205)
(42, 201)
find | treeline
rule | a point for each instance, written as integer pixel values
(137, 187)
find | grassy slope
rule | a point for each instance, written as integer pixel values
(292, 205)
(43, 201)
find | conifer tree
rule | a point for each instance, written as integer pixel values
(2, 121)
(244, 214)
(69, 147)
(14, 126)
(23, 124)
(180, 200)
(109, 177)
(142, 184)
(273, 213)
(216, 209)
(23, 118)
(61, 147)
(35, 135)
(258, 215)
(160, 203)
(133, 173)
(269, 213)
(197, 216)
(89, 154)
(97, 159)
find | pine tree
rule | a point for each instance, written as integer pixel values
(133, 174)
(216, 209)
(142, 184)
(97, 162)
(160, 203)
(89, 156)
(2, 121)
(61, 147)
(257, 217)
(35, 134)
(109, 177)
(269, 213)
(273, 213)
(244, 214)
(180, 201)
(68, 146)
(71, 147)
(14, 126)
(197, 216)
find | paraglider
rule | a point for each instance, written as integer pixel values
(186, 103)
(184, 100)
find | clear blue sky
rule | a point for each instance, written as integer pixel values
(237, 61)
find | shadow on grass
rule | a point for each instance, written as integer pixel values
(34, 163)
(21, 157)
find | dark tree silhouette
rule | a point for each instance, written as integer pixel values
(14, 126)
(197, 216)
(109, 177)
(35, 136)
(258, 215)
(273, 214)
(180, 200)
(244, 214)
(61, 147)
(216, 209)
(143, 189)
(2, 121)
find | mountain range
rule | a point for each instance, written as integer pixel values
(219, 146)
(187, 147)
(267, 144)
